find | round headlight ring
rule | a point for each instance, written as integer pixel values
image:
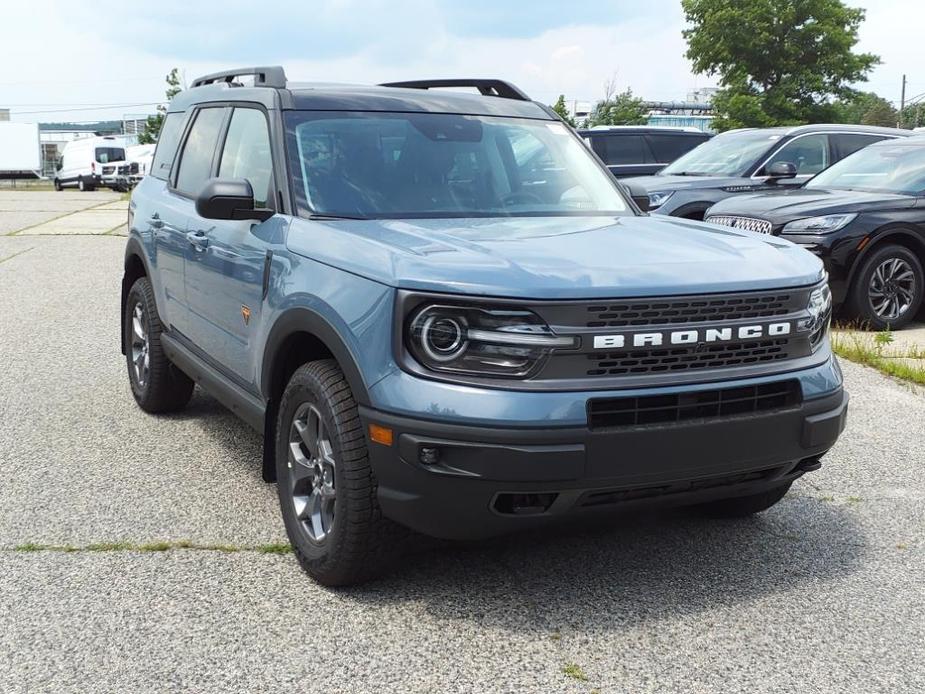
(443, 338)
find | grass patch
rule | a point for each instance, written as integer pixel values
(277, 548)
(574, 671)
(872, 350)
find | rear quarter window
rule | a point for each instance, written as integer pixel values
(167, 143)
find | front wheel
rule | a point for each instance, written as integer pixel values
(739, 507)
(327, 490)
(887, 292)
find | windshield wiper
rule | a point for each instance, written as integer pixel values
(689, 173)
(326, 217)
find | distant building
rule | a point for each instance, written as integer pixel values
(680, 120)
(703, 95)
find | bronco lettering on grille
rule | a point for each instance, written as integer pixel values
(658, 338)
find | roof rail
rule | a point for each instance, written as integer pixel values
(499, 88)
(273, 76)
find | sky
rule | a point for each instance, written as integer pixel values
(83, 61)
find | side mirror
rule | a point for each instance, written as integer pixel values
(781, 170)
(229, 198)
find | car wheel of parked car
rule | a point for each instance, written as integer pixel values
(57, 185)
(327, 490)
(887, 292)
(84, 184)
(158, 385)
(741, 506)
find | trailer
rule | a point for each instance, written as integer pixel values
(20, 151)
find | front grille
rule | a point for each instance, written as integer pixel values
(761, 226)
(688, 310)
(717, 356)
(608, 413)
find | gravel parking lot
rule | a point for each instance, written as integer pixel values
(824, 593)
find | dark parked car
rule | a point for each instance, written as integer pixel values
(865, 217)
(630, 150)
(743, 161)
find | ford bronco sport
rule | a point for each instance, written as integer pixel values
(444, 314)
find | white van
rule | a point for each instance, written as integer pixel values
(143, 155)
(95, 161)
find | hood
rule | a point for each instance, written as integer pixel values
(556, 257)
(652, 184)
(787, 205)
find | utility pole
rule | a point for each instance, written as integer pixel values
(902, 102)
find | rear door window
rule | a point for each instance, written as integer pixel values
(199, 150)
(849, 143)
(618, 150)
(167, 143)
(667, 148)
(104, 155)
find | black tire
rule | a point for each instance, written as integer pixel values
(742, 506)
(58, 186)
(860, 303)
(82, 185)
(358, 543)
(162, 387)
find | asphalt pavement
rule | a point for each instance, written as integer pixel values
(145, 554)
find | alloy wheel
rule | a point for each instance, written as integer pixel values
(892, 288)
(311, 472)
(141, 355)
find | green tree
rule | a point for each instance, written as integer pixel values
(866, 108)
(560, 108)
(778, 61)
(618, 109)
(913, 116)
(148, 136)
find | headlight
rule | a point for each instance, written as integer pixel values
(818, 225)
(659, 199)
(820, 315)
(501, 343)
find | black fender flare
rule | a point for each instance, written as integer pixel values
(133, 248)
(697, 206)
(292, 321)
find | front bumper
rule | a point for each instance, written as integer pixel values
(492, 480)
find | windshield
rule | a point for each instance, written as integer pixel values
(881, 169)
(104, 155)
(727, 154)
(393, 165)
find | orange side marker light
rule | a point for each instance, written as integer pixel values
(380, 434)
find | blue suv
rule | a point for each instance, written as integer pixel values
(444, 315)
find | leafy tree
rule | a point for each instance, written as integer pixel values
(148, 136)
(560, 108)
(618, 109)
(913, 116)
(866, 108)
(779, 61)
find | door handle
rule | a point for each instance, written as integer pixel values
(198, 239)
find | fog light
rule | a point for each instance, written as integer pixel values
(429, 455)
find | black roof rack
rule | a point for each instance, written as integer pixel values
(500, 88)
(273, 76)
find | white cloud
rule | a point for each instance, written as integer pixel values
(70, 53)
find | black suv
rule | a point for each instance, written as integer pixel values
(750, 160)
(630, 150)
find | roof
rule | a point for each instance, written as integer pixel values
(678, 129)
(349, 97)
(826, 127)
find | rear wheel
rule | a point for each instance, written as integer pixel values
(85, 184)
(157, 385)
(887, 292)
(58, 185)
(327, 490)
(739, 507)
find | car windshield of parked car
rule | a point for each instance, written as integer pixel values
(104, 155)
(880, 169)
(728, 154)
(394, 165)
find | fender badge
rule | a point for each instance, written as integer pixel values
(246, 314)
